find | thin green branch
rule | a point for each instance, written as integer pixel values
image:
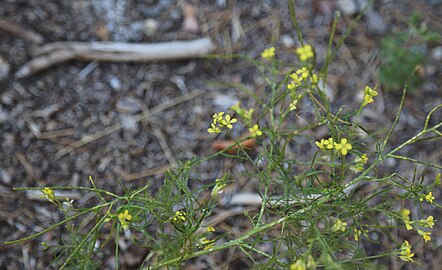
(57, 224)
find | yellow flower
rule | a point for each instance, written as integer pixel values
(218, 117)
(405, 213)
(298, 265)
(325, 144)
(255, 131)
(429, 197)
(314, 79)
(305, 52)
(364, 158)
(248, 114)
(429, 222)
(213, 129)
(405, 252)
(292, 105)
(339, 226)
(123, 217)
(180, 216)
(368, 95)
(228, 121)
(210, 229)
(321, 144)
(291, 86)
(425, 235)
(218, 188)
(49, 194)
(303, 72)
(343, 146)
(311, 262)
(268, 53)
(356, 234)
(408, 225)
(296, 80)
(206, 243)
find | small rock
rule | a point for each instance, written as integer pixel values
(128, 122)
(47, 111)
(348, 7)
(225, 101)
(3, 116)
(129, 105)
(4, 69)
(115, 83)
(287, 41)
(6, 176)
(436, 53)
(430, 70)
(375, 22)
(7, 98)
(430, 87)
(151, 27)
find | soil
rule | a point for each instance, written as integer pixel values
(47, 112)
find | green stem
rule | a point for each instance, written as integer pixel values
(57, 224)
(85, 239)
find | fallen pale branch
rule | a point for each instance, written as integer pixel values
(56, 53)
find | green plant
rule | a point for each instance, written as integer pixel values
(403, 52)
(311, 212)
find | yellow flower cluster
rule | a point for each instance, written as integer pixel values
(292, 105)
(300, 264)
(124, 218)
(339, 226)
(405, 214)
(405, 252)
(368, 95)
(425, 235)
(180, 216)
(220, 121)
(245, 114)
(218, 188)
(358, 163)
(268, 53)
(426, 223)
(342, 147)
(327, 144)
(299, 76)
(305, 52)
(357, 233)
(429, 197)
(205, 243)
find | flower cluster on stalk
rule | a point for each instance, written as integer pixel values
(221, 121)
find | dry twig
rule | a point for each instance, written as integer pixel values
(56, 53)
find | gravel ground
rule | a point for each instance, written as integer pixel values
(43, 114)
